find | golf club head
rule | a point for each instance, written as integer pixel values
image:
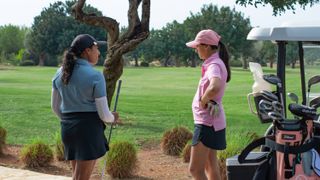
(265, 106)
(313, 80)
(293, 97)
(269, 96)
(272, 79)
(315, 102)
(275, 116)
(277, 106)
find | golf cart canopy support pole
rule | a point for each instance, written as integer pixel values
(281, 69)
(302, 74)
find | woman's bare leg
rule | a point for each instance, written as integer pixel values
(83, 169)
(73, 166)
(198, 159)
(212, 166)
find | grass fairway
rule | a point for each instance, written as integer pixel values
(151, 101)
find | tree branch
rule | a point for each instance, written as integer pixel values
(145, 15)
(137, 30)
(109, 24)
(117, 46)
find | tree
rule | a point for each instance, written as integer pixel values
(230, 24)
(11, 42)
(151, 48)
(292, 53)
(279, 6)
(176, 38)
(11, 39)
(117, 45)
(54, 29)
(312, 54)
(269, 52)
(168, 43)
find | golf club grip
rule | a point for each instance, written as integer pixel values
(117, 96)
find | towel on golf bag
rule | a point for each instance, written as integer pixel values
(315, 161)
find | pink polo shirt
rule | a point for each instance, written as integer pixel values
(212, 67)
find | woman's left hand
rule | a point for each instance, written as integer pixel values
(202, 103)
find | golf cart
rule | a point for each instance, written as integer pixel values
(305, 36)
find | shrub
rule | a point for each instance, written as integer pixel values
(36, 154)
(144, 64)
(3, 135)
(236, 143)
(121, 160)
(59, 147)
(186, 152)
(27, 63)
(173, 141)
(235, 63)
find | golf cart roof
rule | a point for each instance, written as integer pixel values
(286, 33)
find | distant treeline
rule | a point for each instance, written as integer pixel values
(52, 31)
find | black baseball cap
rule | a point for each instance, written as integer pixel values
(83, 41)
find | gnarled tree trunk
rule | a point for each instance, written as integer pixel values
(137, 31)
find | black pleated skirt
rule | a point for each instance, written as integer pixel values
(83, 136)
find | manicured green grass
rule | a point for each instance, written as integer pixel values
(151, 101)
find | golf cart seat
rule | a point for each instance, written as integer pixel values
(303, 111)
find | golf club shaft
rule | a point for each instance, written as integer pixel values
(111, 127)
(115, 107)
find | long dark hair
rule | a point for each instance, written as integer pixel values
(224, 55)
(69, 60)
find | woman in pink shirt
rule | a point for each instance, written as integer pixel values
(208, 113)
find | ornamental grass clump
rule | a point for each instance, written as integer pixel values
(186, 152)
(37, 154)
(236, 142)
(3, 136)
(173, 141)
(121, 160)
(59, 147)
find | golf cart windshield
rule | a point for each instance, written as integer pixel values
(303, 35)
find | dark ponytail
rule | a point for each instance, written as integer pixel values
(224, 55)
(69, 60)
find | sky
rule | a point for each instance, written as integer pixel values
(22, 12)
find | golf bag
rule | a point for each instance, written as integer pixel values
(289, 146)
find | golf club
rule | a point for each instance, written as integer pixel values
(269, 96)
(313, 80)
(315, 102)
(265, 106)
(275, 116)
(111, 127)
(273, 79)
(277, 106)
(115, 108)
(303, 111)
(293, 97)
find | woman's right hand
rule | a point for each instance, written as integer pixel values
(116, 118)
